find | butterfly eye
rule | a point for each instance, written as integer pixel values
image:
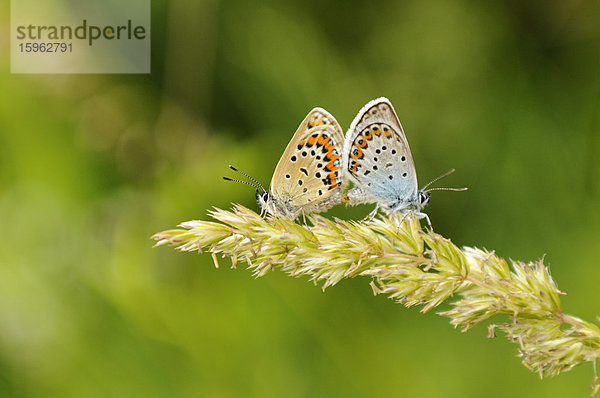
(262, 197)
(423, 198)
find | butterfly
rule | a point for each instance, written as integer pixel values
(378, 161)
(308, 176)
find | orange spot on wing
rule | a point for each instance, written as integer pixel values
(358, 144)
(329, 147)
(312, 140)
(388, 134)
(368, 134)
(359, 154)
(332, 180)
(329, 155)
(331, 166)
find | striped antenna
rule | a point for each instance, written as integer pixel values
(255, 183)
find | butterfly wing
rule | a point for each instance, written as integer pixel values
(377, 158)
(308, 175)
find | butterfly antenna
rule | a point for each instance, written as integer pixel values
(240, 181)
(424, 189)
(448, 189)
(255, 185)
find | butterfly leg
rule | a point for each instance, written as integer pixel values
(418, 214)
(421, 215)
(404, 215)
(372, 214)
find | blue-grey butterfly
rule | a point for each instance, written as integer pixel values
(308, 177)
(377, 160)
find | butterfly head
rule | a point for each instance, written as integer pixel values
(263, 198)
(422, 199)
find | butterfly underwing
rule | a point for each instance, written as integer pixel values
(308, 176)
(378, 162)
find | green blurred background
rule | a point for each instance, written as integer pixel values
(508, 93)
